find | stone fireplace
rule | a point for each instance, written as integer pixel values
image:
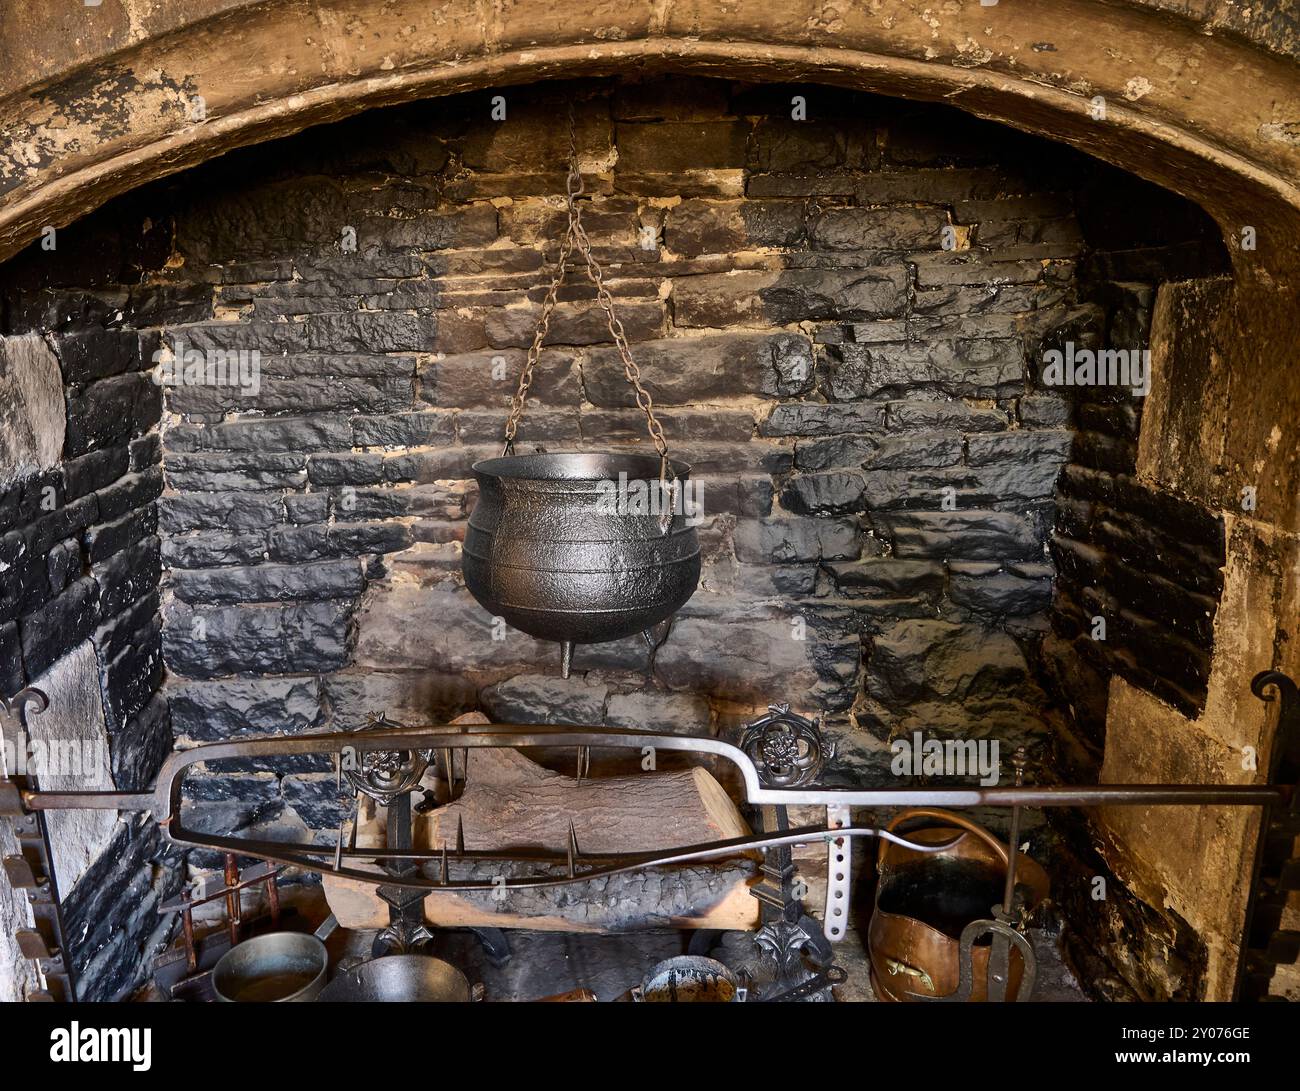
(241, 403)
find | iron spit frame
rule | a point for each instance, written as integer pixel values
(763, 786)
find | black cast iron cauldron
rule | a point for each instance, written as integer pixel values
(553, 550)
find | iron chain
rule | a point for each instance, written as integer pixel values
(575, 237)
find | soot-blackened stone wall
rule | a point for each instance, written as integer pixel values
(80, 563)
(839, 319)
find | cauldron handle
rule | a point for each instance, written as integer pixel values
(669, 483)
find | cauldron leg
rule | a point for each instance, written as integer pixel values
(566, 658)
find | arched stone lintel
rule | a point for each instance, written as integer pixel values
(144, 144)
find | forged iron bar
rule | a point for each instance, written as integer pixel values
(164, 801)
(306, 857)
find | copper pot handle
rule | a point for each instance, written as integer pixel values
(953, 819)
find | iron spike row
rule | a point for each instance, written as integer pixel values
(449, 766)
(308, 858)
(573, 851)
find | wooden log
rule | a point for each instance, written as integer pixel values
(511, 802)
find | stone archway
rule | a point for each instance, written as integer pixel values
(1206, 114)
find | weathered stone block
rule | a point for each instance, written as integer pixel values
(269, 583)
(756, 298)
(670, 146)
(787, 539)
(878, 229)
(208, 642)
(681, 370)
(546, 699)
(968, 535)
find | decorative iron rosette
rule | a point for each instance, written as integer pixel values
(384, 775)
(786, 748)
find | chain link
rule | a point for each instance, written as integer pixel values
(575, 237)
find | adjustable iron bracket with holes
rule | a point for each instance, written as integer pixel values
(839, 874)
(777, 763)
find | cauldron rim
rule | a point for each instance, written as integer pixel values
(577, 466)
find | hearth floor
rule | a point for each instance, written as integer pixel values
(548, 963)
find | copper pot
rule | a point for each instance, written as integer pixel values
(924, 900)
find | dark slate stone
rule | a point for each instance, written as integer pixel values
(42, 494)
(95, 470)
(967, 535)
(834, 493)
(109, 412)
(320, 433)
(109, 538)
(136, 490)
(128, 575)
(824, 454)
(345, 469)
(307, 507)
(64, 522)
(233, 511)
(310, 543)
(220, 785)
(889, 577)
(878, 229)
(131, 679)
(203, 711)
(977, 368)
(792, 295)
(1001, 593)
(56, 628)
(1044, 411)
(117, 632)
(404, 430)
(228, 471)
(88, 355)
(269, 583)
(316, 799)
(786, 539)
(208, 548)
(1018, 445)
(146, 451)
(916, 451)
(111, 913)
(11, 660)
(141, 747)
(63, 564)
(26, 582)
(210, 642)
(371, 331)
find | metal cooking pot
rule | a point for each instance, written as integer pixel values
(563, 548)
(279, 967)
(399, 979)
(690, 979)
(924, 900)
